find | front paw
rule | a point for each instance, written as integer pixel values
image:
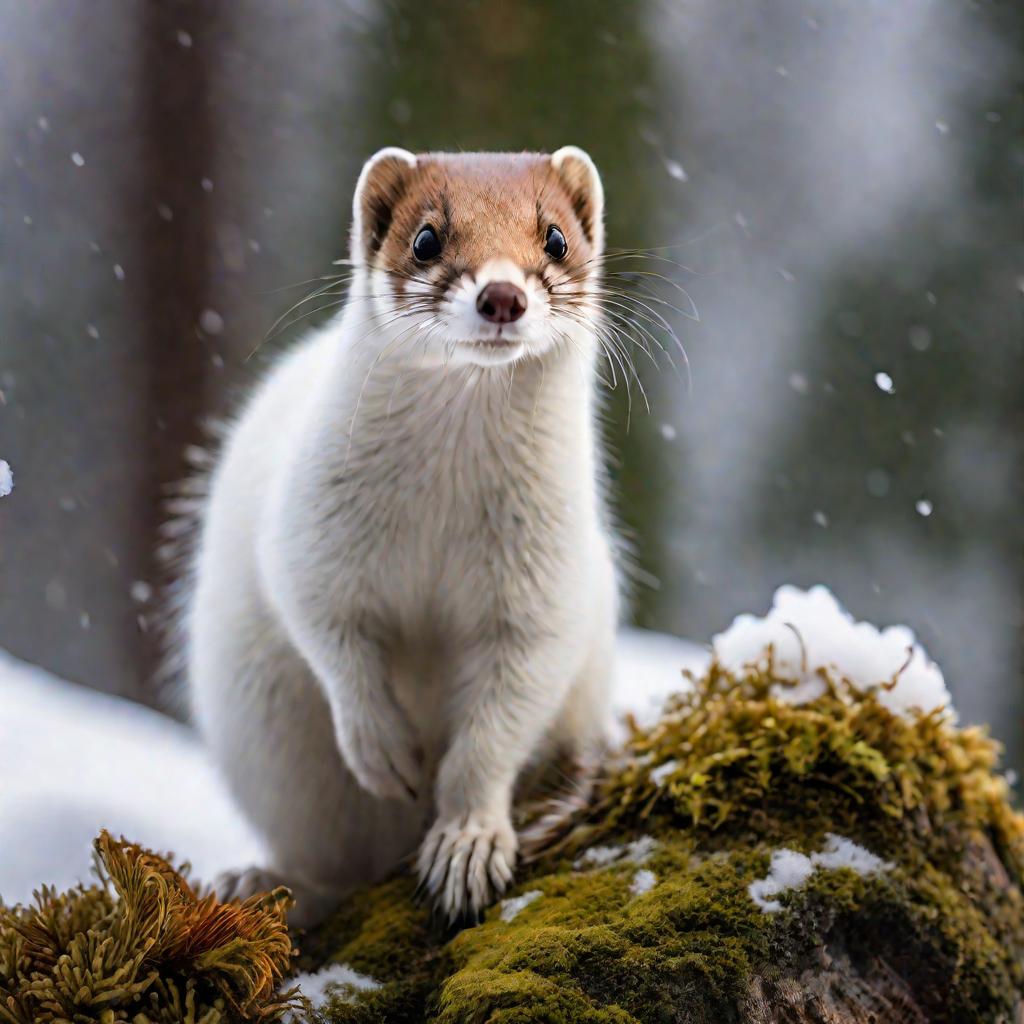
(382, 752)
(466, 863)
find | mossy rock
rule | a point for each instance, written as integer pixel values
(634, 904)
(935, 936)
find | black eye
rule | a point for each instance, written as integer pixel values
(427, 245)
(555, 245)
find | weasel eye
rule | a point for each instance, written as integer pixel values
(555, 245)
(427, 245)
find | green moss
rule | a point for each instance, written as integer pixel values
(751, 773)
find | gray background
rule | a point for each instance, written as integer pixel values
(839, 179)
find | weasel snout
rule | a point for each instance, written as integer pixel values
(501, 302)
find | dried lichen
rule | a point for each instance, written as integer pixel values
(142, 946)
(939, 937)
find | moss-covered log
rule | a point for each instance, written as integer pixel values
(745, 860)
(637, 905)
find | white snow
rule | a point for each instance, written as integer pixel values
(885, 383)
(643, 881)
(809, 631)
(6, 478)
(791, 869)
(676, 170)
(648, 668)
(511, 907)
(636, 852)
(74, 761)
(211, 321)
(330, 981)
(924, 508)
(663, 771)
(840, 852)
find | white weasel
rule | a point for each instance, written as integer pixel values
(404, 590)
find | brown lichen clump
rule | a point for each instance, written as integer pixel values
(936, 937)
(142, 946)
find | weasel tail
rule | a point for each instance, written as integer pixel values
(404, 590)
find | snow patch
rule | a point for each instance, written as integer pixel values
(648, 669)
(809, 632)
(6, 478)
(636, 852)
(791, 869)
(511, 908)
(643, 881)
(63, 756)
(329, 982)
(663, 771)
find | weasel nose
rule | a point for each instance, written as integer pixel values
(501, 302)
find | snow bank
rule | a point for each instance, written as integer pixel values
(808, 631)
(73, 761)
(648, 668)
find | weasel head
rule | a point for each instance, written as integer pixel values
(478, 258)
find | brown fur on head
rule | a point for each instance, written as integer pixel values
(492, 215)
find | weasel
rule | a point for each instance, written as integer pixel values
(404, 590)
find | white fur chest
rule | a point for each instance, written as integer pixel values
(429, 498)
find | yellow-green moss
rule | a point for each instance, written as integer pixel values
(752, 773)
(142, 946)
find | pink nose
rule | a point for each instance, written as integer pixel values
(501, 302)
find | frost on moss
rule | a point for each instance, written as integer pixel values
(142, 946)
(937, 936)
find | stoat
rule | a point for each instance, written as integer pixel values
(404, 587)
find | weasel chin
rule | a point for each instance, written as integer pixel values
(491, 352)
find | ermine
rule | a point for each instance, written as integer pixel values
(404, 591)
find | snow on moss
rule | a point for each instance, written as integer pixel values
(638, 851)
(511, 908)
(808, 632)
(643, 882)
(791, 869)
(664, 770)
(334, 982)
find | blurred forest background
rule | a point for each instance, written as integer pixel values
(839, 178)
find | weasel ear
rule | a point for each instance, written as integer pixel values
(580, 179)
(381, 184)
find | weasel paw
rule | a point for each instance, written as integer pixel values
(381, 751)
(465, 864)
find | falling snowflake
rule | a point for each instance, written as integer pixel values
(920, 338)
(924, 507)
(884, 383)
(676, 170)
(211, 321)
